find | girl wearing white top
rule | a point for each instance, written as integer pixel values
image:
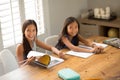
(30, 41)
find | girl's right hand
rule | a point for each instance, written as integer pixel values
(29, 60)
(97, 50)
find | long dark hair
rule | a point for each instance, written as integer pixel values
(64, 32)
(26, 44)
(68, 21)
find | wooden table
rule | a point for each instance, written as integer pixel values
(104, 66)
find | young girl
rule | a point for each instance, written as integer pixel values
(70, 38)
(30, 41)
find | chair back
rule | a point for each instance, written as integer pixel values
(51, 40)
(8, 60)
(1, 68)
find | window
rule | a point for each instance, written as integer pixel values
(35, 11)
(10, 19)
(10, 22)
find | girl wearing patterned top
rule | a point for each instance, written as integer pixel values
(70, 38)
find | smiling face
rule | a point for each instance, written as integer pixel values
(30, 32)
(72, 29)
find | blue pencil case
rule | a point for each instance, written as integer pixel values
(68, 74)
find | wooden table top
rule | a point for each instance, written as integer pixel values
(104, 66)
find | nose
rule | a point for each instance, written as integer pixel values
(31, 34)
(73, 30)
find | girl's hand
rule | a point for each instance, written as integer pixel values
(97, 49)
(58, 52)
(61, 54)
(100, 49)
(29, 60)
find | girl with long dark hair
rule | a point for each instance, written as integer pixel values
(30, 42)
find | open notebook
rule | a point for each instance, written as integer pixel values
(85, 54)
(54, 60)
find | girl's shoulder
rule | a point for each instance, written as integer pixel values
(65, 37)
(19, 46)
(19, 49)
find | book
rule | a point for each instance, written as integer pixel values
(85, 54)
(115, 42)
(53, 60)
(79, 54)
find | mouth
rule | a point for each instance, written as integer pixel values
(31, 37)
(73, 34)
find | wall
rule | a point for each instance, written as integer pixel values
(0, 39)
(55, 12)
(113, 4)
(61, 9)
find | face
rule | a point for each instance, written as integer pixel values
(72, 29)
(30, 32)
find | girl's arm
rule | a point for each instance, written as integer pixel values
(98, 49)
(74, 48)
(43, 45)
(85, 41)
(48, 47)
(19, 53)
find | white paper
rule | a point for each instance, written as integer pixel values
(86, 47)
(85, 54)
(101, 44)
(97, 44)
(54, 60)
(80, 54)
(35, 54)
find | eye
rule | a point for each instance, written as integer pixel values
(34, 30)
(70, 27)
(28, 30)
(76, 27)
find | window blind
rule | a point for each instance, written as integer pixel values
(35, 12)
(10, 22)
(10, 19)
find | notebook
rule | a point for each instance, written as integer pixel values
(53, 60)
(115, 42)
(85, 54)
